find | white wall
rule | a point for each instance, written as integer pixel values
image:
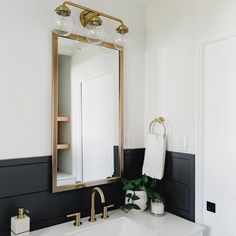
(174, 29)
(25, 81)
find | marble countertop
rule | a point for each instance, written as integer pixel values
(168, 225)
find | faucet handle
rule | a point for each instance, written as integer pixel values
(77, 218)
(105, 211)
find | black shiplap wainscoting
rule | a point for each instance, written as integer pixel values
(178, 184)
(27, 183)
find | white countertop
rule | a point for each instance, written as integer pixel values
(168, 225)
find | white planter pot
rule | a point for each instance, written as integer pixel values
(141, 202)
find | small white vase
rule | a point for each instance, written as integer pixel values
(141, 202)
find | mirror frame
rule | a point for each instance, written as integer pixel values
(63, 188)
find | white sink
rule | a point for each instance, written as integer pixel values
(118, 227)
(122, 224)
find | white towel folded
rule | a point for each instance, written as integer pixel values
(154, 160)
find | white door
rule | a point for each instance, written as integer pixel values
(219, 137)
(98, 127)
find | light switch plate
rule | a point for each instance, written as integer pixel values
(211, 207)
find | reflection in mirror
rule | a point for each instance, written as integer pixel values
(88, 112)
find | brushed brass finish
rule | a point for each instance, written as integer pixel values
(63, 119)
(77, 218)
(80, 185)
(21, 213)
(54, 110)
(88, 17)
(93, 214)
(122, 29)
(159, 120)
(105, 211)
(88, 14)
(63, 146)
(91, 10)
(63, 10)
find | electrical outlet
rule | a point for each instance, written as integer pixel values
(211, 207)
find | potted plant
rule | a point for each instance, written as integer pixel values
(136, 195)
(152, 193)
(154, 199)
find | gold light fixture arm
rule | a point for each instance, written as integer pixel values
(94, 11)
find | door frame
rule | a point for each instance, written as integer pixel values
(199, 178)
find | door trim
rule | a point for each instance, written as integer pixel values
(199, 178)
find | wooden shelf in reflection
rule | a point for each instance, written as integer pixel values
(63, 146)
(63, 118)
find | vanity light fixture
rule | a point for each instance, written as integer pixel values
(91, 20)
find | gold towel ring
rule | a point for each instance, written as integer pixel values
(159, 120)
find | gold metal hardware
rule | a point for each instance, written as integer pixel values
(80, 185)
(63, 10)
(63, 146)
(77, 218)
(63, 119)
(159, 120)
(122, 29)
(97, 189)
(88, 17)
(105, 211)
(88, 14)
(21, 213)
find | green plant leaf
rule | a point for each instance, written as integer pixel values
(135, 197)
(148, 202)
(137, 181)
(153, 183)
(156, 195)
(144, 179)
(135, 206)
(129, 195)
(125, 209)
(128, 186)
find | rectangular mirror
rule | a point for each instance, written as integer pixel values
(87, 113)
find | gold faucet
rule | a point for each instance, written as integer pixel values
(97, 189)
(77, 218)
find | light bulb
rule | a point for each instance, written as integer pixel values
(95, 34)
(63, 25)
(120, 41)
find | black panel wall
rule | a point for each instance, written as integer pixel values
(27, 183)
(178, 184)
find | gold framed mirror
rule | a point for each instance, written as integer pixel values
(87, 113)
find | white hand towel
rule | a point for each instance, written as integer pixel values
(154, 160)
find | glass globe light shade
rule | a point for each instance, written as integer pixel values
(120, 41)
(63, 25)
(95, 34)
